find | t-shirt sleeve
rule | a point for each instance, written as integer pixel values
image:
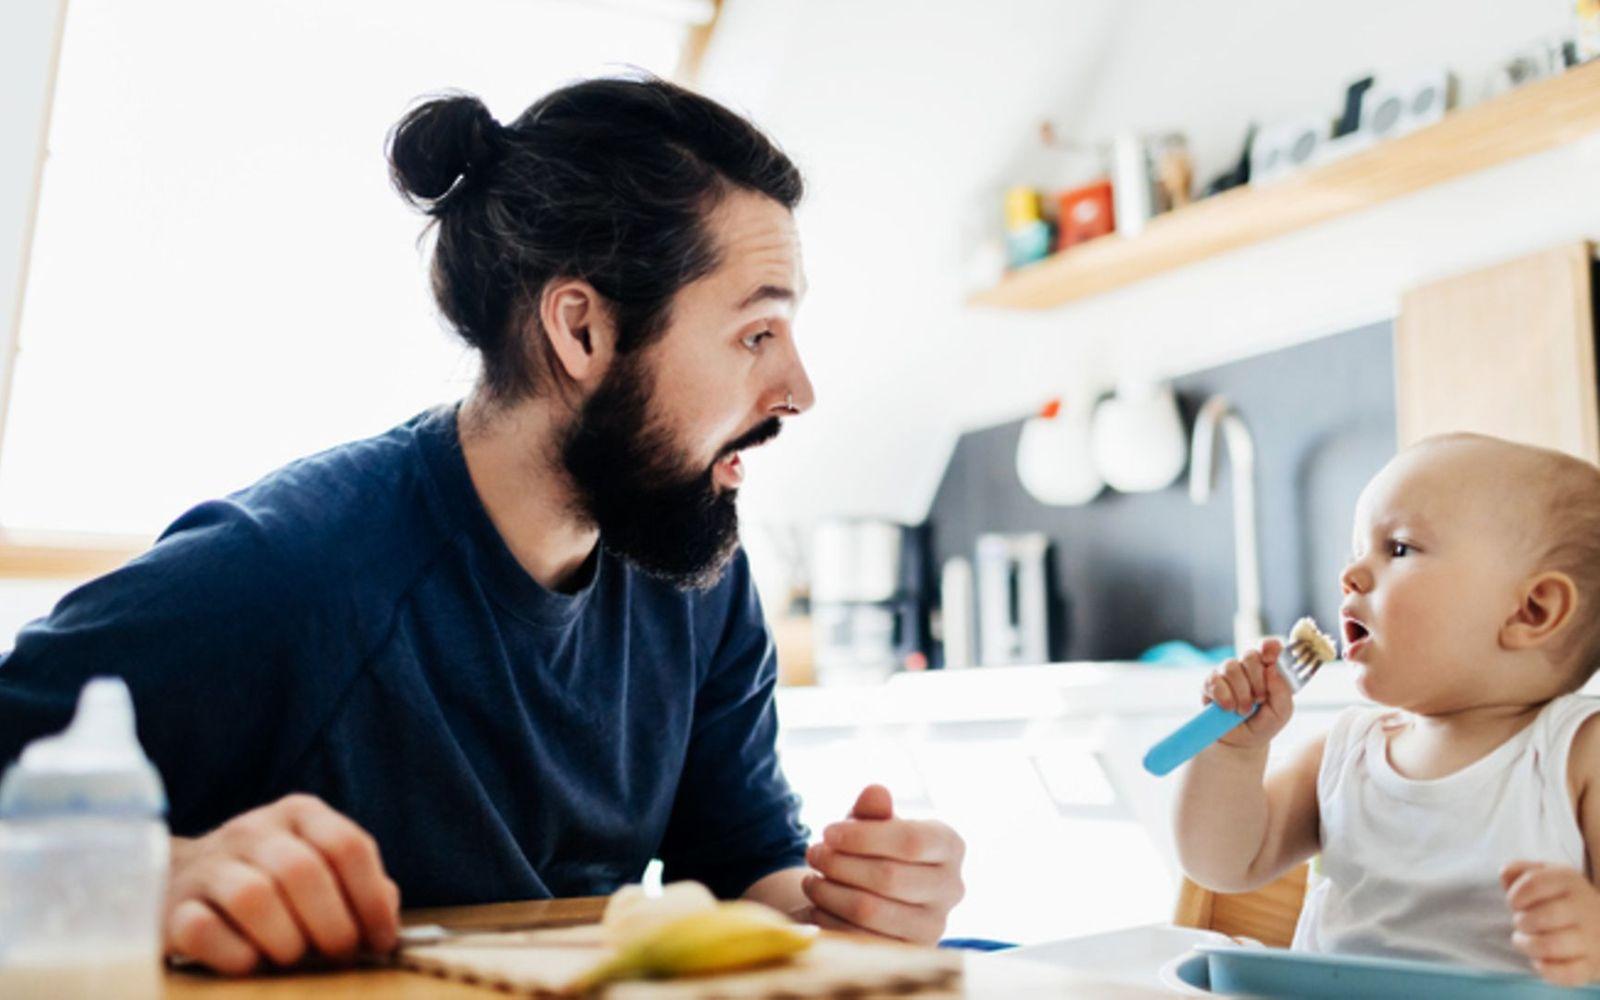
(208, 631)
(735, 818)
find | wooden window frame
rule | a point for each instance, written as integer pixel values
(48, 555)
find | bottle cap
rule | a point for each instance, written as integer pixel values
(94, 766)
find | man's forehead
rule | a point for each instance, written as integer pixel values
(759, 248)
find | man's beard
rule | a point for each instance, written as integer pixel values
(653, 508)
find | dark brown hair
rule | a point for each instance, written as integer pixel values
(606, 180)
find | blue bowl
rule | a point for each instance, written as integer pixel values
(1277, 972)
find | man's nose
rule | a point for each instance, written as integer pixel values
(796, 386)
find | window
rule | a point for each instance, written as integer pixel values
(222, 278)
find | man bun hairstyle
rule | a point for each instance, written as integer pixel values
(608, 180)
(440, 143)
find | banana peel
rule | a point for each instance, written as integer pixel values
(722, 938)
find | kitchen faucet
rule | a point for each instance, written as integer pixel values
(1247, 625)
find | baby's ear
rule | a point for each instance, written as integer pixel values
(1549, 600)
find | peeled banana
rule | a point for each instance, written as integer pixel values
(693, 938)
(632, 911)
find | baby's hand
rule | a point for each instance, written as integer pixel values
(1556, 912)
(1239, 685)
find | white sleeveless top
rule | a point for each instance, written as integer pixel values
(1411, 869)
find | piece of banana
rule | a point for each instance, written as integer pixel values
(731, 935)
(632, 912)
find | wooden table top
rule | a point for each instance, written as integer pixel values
(985, 977)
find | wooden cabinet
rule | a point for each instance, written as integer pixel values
(1508, 350)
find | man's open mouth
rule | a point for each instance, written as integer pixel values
(729, 469)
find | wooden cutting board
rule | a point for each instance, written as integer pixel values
(543, 963)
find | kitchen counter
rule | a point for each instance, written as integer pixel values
(1038, 768)
(1042, 692)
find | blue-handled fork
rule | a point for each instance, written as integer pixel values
(1307, 651)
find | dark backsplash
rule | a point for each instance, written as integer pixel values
(1136, 569)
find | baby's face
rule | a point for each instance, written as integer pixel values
(1442, 541)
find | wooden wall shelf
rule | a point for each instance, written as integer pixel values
(1532, 119)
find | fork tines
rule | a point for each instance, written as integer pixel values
(1303, 663)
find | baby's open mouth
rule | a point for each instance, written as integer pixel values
(1354, 632)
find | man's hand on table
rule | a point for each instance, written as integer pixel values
(278, 883)
(895, 877)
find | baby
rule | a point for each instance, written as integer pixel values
(1461, 822)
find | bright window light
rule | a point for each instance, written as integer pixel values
(222, 278)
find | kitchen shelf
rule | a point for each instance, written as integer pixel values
(1531, 119)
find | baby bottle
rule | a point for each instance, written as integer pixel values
(83, 859)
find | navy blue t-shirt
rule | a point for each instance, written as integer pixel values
(353, 626)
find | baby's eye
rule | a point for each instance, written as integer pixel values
(1398, 549)
(753, 341)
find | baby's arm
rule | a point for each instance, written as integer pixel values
(1237, 828)
(1556, 910)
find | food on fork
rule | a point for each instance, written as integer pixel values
(1306, 634)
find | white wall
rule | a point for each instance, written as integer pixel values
(1210, 68)
(897, 112)
(910, 118)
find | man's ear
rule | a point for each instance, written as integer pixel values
(576, 322)
(1549, 600)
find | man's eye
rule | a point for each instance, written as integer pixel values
(1398, 549)
(753, 341)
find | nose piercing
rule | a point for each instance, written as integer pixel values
(788, 404)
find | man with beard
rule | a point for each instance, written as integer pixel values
(509, 649)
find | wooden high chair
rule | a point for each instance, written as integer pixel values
(1268, 914)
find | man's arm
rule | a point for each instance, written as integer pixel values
(783, 892)
(208, 629)
(735, 820)
(735, 824)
